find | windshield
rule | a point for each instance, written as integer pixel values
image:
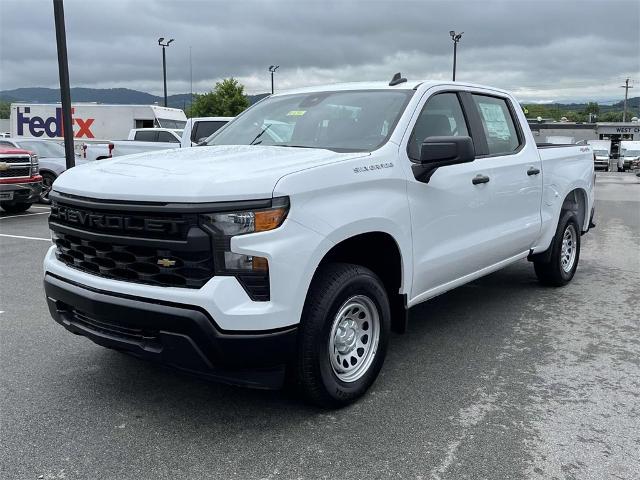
(343, 121)
(43, 149)
(167, 123)
(632, 153)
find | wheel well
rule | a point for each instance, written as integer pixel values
(47, 171)
(378, 252)
(576, 202)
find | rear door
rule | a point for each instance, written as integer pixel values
(515, 173)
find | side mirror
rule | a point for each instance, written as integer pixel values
(436, 152)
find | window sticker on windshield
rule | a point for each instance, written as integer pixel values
(296, 113)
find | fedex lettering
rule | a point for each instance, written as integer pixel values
(52, 126)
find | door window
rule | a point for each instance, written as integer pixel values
(441, 116)
(497, 122)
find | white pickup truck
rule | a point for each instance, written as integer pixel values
(260, 255)
(149, 139)
(139, 140)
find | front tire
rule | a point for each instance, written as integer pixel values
(343, 334)
(15, 207)
(565, 253)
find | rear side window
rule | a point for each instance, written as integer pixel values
(167, 137)
(146, 136)
(441, 116)
(498, 124)
(203, 130)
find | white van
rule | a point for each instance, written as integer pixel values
(629, 153)
(601, 153)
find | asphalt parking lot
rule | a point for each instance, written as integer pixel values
(499, 379)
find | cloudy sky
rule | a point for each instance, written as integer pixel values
(544, 50)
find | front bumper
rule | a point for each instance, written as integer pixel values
(181, 336)
(23, 192)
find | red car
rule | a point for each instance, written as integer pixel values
(20, 183)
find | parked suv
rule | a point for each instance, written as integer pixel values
(298, 247)
(20, 183)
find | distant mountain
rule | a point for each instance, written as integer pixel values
(119, 96)
(633, 102)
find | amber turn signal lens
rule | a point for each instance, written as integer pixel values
(269, 219)
(260, 264)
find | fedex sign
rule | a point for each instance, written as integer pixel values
(51, 126)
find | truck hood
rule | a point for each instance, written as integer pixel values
(198, 174)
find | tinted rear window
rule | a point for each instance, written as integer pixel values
(146, 136)
(204, 129)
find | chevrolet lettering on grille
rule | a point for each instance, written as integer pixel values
(113, 222)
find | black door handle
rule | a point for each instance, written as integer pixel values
(533, 171)
(480, 179)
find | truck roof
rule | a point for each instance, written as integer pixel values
(409, 85)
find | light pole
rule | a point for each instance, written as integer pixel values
(65, 91)
(164, 65)
(272, 69)
(456, 38)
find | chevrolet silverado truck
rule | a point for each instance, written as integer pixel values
(51, 159)
(139, 140)
(264, 258)
(20, 183)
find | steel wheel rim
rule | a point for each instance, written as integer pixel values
(354, 338)
(568, 249)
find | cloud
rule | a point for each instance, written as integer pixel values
(542, 50)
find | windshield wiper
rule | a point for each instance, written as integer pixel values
(253, 142)
(292, 146)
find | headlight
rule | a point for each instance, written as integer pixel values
(239, 223)
(251, 271)
(35, 167)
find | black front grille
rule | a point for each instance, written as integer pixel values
(163, 248)
(16, 172)
(134, 263)
(16, 159)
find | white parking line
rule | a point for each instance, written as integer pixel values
(25, 238)
(25, 215)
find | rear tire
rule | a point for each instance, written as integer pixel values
(15, 207)
(565, 253)
(343, 335)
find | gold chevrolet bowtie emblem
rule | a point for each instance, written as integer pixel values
(4, 166)
(165, 262)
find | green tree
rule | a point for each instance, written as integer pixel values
(592, 107)
(5, 109)
(227, 99)
(611, 117)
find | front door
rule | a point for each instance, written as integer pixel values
(450, 213)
